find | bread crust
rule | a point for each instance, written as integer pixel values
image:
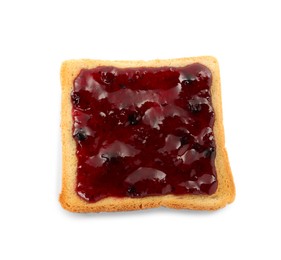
(71, 201)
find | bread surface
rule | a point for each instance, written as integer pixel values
(225, 192)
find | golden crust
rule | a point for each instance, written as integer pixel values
(69, 200)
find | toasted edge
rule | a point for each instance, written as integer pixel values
(72, 202)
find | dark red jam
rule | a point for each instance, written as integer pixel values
(144, 132)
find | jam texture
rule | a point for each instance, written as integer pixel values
(144, 132)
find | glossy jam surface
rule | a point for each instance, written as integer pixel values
(144, 132)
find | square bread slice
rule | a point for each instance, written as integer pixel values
(69, 199)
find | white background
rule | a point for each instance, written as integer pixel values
(37, 36)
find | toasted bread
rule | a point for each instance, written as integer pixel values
(69, 199)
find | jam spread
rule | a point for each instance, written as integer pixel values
(144, 132)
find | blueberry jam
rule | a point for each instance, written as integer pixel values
(144, 132)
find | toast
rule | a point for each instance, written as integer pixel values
(69, 199)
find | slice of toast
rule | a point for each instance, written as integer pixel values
(69, 199)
